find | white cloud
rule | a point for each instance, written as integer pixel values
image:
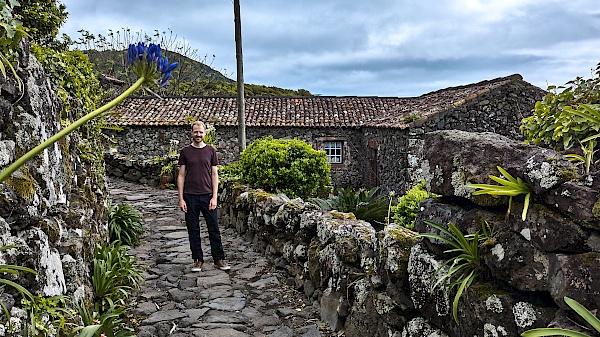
(378, 47)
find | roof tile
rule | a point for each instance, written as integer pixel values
(323, 111)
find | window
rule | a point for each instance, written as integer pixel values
(333, 150)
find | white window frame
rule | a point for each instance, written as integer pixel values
(334, 150)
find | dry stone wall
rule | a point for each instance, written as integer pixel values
(53, 208)
(371, 283)
(139, 147)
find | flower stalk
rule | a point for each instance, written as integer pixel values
(38, 149)
(150, 67)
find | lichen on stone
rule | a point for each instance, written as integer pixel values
(383, 303)
(494, 304)
(7, 150)
(490, 330)
(458, 179)
(419, 327)
(498, 251)
(596, 208)
(422, 268)
(362, 288)
(328, 257)
(22, 183)
(395, 247)
(545, 174)
(542, 259)
(524, 314)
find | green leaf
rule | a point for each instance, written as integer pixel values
(541, 332)
(463, 285)
(506, 174)
(583, 312)
(590, 138)
(525, 206)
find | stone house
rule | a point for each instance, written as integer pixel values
(369, 141)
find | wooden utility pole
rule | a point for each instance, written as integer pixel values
(240, 76)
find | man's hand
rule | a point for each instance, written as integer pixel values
(183, 205)
(213, 204)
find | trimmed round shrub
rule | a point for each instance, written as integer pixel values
(289, 166)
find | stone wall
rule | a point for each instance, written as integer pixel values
(379, 156)
(145, 144)
(371, 283)
(141, 171)
(500, 110)
(53, 208)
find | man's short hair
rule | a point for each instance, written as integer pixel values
(198, 123)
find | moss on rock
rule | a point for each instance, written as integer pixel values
(23, 183)
(596, 208)
(343, 216)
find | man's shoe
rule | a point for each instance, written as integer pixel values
(221, 264)
(197, 266)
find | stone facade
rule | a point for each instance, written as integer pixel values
(373, 155)
(145, 144)
(371, 283)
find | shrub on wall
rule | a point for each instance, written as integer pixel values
(408, 207)
(289, 166)
(553, 125)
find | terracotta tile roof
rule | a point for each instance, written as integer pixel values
(316, 111)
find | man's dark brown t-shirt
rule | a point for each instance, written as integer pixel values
(198, 168)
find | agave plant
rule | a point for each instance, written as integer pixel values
(365, 204)
(508, 186)
(124, 224)
(579, 309)
(464, 267)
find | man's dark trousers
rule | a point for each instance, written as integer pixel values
(197, 204)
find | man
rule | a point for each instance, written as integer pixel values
(198, 184)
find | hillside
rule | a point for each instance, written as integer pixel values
(191, 78)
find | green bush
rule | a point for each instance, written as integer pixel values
(124, 224)
(406, 210)
(48, 316)
(289, 166)
(365, 204)
(552, 125)
(230, 172)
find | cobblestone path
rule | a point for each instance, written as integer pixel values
(251, 299)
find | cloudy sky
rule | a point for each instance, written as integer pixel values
(398, 48)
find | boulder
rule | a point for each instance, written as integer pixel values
(470, 158)
(483, 309)
(511, 258)
(577, 276)
(578, 199)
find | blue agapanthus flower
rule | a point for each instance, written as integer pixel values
(148, 61)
